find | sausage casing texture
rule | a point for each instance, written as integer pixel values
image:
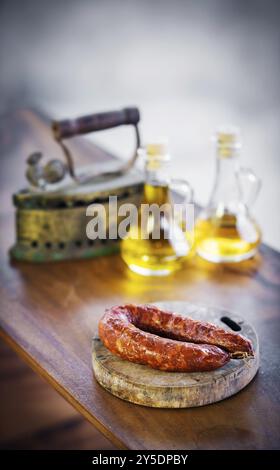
(179, 327)
(138, 334)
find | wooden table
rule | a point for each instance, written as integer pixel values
(50, 311)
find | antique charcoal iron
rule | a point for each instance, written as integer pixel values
(51, 213)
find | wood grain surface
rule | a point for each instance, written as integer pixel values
(40, 418)
(49, 313)
(143, 385)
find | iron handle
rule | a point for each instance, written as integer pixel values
(94, 122)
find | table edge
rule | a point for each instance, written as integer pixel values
(35, 366)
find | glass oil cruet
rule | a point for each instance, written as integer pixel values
(141, 251)
(225, 230)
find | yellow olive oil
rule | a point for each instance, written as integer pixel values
(225, 231)
(227, 238)
(151, 256)
(141, 250)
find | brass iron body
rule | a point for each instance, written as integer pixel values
(51, 214)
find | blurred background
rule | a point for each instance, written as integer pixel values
(190, 66)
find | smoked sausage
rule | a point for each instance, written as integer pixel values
(175, 326)
(145, 334)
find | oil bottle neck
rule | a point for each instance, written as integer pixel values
(227, 147)
(225, 193)
(226, 167)
(156, 188)
(157, 171)
(157, 163)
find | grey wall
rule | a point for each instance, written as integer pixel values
(189, 65)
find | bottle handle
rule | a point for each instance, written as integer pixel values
(183, 187)
(184, 211)
(245, 176)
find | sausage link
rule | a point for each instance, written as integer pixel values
(122, 331)
(162, 323)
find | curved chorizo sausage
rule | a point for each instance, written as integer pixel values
(129, 332)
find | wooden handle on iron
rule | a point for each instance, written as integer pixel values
(94, 122)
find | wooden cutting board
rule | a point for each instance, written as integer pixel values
(146, 386)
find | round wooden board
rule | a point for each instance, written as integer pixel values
(146, 386)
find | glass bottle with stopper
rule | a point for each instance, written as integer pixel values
(225, 231)
(159, 241)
